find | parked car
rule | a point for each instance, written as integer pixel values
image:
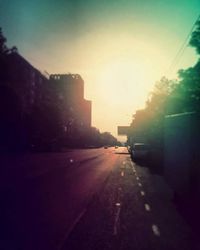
(140, 151)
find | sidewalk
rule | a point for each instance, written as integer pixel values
(134, 210)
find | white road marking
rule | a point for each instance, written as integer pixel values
(139, 184)
(142, 193)
(71, 160)
(147, 207)
(155, 230)
(122, 173)
(124, 162)
(137, 178)
(116, 223)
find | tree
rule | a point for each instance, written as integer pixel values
(168, 97)
(158, 100)
(147, 124)
(186, 94)
(188, 89)
(195, 38)
(3, 48)
(108, 139)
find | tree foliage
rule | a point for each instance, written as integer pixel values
(188, 89)
(157, 102)
(195, 38)
(3, 48)
(169, 97)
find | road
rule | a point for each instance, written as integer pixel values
(43, 195)
(87, 199)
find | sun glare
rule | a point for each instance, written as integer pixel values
(124, 82)
(120, 77)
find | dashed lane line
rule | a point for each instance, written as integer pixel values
(154, 227)
(147, 207)
(155, 230)
(116, 223)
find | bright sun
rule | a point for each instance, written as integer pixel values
(124, 82)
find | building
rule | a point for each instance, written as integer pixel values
(28, 83)
(22, 87)
(35, 110)
(68, 90)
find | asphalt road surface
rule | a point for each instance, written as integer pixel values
(87, 199)
(43, 195)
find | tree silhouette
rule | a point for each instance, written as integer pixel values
(195, 38)
(188, 89)
(168, 97)
(4, 50)
(157, 102)
(186, 94)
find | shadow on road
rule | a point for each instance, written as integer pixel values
(155, 166)
(189, 207)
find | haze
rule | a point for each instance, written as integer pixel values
(120, 48)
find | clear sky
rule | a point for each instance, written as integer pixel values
(120, 48)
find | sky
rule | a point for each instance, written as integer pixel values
(120, 48)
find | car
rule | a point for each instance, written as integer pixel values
(140, 151)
